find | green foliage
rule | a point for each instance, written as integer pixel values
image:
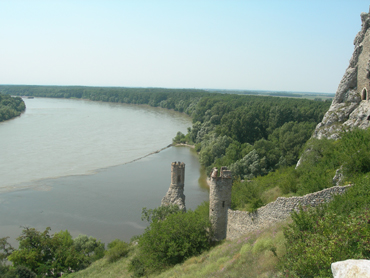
(45, 254)
(172, 239)
(5, 251)
(246, 196)
(90, 247)
(10, 107)
(158, 214)
(116, 250)
(24, 272)
(264, 134)
(336, 231)
(356, 156)
(179, 138)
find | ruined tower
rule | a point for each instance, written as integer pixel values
(220, 201)
(175, 194)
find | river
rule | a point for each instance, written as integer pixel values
(74, 164)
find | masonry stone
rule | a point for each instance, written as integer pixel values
(242, 222)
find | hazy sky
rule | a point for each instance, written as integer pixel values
(297, 45)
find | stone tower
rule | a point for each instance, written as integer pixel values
(175, 194)
(220, 201)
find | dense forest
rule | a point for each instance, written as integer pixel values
(252, 135)
(10, 107)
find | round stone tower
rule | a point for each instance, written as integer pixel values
(220, 201)
(175, 194)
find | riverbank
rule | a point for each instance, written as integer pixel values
(183, 145)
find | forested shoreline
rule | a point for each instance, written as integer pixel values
(253, 135)
(10, 107)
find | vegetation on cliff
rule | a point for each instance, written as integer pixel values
(346, 158)
(10, 107)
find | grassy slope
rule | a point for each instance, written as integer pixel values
(248, 256)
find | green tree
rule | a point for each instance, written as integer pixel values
(92, 248)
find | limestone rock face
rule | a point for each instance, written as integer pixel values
(351, 269)
(351, 106)
(174, 196)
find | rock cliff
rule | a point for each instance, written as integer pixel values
(351, 107)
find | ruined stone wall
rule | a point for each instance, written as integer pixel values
(242, 222)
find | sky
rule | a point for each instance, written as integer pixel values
(296, 45)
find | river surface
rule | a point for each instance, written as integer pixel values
(89, 167)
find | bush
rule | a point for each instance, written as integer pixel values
(336, 231)
(116, 249)
(171, 241)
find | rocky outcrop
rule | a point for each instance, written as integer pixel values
(351, 269)
(351, 107)
(174, 196)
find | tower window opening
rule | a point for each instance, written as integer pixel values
(364, 95)
(178, 178)
(223, 204)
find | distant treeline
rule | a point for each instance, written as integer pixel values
(253, 135)
(10, 107)
(177, 99)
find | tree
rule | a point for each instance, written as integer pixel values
(92, 248)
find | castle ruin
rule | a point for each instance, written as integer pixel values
(220, 201)
(231, 224)
(175, 194)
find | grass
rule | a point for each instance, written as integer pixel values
(248, 256)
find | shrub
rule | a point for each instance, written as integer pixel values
(336, 231)
(116, 249)
(172, 240)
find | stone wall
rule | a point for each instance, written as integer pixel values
(242, 222)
